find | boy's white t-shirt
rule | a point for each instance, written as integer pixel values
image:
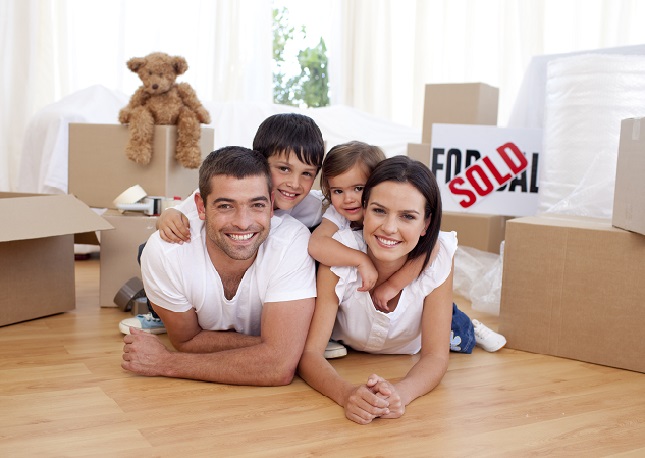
(181, 277)
(362, 327)
(308, 212)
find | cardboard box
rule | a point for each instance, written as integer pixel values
(119, 250)
(466, 103)
(629, 193)
(37, 253)
(483, 232)
(420, 152)
(573, 287)
(99, 170)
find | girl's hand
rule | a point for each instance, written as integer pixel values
(383, 294)
(173, 226)
(368, 274)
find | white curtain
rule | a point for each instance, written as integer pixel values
(387, 50)
(52, 48)
(381, 52)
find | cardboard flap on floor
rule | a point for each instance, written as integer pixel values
(28, 216)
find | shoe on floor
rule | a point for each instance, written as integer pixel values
(146, 323)
(486, 338)
(335, 350)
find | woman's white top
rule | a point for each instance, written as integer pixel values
(362, 327)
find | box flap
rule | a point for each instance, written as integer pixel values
(25, 218)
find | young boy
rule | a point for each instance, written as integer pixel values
(293, 145)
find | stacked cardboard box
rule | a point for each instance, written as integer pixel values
(37, 253)
(119, 249)
(99, 170)
(629, 193)
(468, 103)
(573, 287)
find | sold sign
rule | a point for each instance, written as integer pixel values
(487, 174)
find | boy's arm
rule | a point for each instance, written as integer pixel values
(173, 226)
(324, 249)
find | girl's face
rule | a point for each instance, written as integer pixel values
(394, 220)
(346, 191)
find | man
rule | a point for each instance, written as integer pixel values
(236, 301)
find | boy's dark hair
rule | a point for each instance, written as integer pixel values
(402, 169)
(235, 161)
(343, 157)
(291, 133)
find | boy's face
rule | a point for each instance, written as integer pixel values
(292, 180)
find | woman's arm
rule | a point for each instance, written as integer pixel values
(360, 403)
(324, 249)
(426, 374)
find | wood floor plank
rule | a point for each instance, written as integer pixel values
(63, 393)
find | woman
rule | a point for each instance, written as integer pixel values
(401, 223)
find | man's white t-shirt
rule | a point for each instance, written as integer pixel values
(308, 212)
(362, 327)
(180, 277)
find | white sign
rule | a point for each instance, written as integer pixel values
(486, 169)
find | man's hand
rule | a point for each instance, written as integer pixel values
(173, 226)
(143, 353)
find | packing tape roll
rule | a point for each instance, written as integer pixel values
(130, 196)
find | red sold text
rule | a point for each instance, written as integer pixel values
(505, 169)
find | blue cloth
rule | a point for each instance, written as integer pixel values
(462, 333)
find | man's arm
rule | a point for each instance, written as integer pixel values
(272, 361)
(187, 336)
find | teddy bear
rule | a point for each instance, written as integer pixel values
(162, 101)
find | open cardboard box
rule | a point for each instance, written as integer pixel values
(37, 253)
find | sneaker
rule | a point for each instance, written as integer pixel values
(335, 350)
(146, 323)
(486, 338)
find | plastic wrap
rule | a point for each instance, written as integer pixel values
(587, 96)
(478, 278)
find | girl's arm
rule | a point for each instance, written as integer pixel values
(426, 374)
(384, 292)
(327, 251)
(360, 403)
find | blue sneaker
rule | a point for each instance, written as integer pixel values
(147, 323)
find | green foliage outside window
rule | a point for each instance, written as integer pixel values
(311, 86)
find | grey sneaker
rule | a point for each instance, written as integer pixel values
(147, 323)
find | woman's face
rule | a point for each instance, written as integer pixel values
(394, 220)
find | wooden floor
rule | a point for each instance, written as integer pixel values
(63, 393)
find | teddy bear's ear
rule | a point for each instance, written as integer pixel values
(180, 65)
(136, 63)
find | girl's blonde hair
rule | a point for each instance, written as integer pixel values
(343, 157)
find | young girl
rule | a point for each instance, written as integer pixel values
(344, 173)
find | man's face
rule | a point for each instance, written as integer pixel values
(292, 179)
(237, 216)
